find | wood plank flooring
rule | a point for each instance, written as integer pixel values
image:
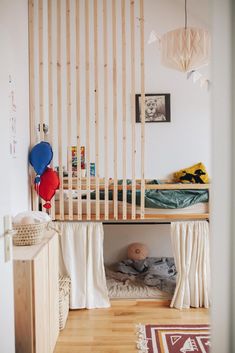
(113, 330)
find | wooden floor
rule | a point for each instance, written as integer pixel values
(113, 330)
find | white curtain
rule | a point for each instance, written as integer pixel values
(82, 259)
(191, 248)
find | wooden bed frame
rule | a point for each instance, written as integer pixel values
(155, 215)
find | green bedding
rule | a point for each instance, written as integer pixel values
(162, 198)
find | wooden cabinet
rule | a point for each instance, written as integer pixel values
(36, 296)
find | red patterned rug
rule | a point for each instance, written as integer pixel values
(173, 339)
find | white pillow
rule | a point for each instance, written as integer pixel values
(37, 216)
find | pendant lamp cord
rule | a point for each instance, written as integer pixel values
(185, 15)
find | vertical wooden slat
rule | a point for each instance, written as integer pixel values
(69, 121)
(41, 77)
(142, 107)
(59, 107)
(114, 34)
(142, 74)
(96, 109)
(31, 74)
(32, 94)
(40, 53)
(106, 120)
(50, 90)
(87, 85)
(78, 92)
(124, 106)
(133, 139)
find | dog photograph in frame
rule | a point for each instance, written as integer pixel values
(157, 107)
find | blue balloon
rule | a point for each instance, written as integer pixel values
(39, 157)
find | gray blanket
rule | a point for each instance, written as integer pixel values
(153, 271)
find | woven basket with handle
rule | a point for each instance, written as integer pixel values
(64, 292)
(28, 234)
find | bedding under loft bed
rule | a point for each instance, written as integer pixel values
(191, 201)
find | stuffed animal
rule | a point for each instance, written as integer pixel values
(194, 174)
(137, 251)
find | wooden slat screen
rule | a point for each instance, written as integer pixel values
(50, 89)
(33, 124)
(78, 108)
(106, 100)
(133, 138)
(83, 85)
(59, 112)
(69, 118)
(87, 59)
(142, 107)
(115, 152)
(96, 92)
(124, 105)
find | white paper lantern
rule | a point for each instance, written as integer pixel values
(185, 49)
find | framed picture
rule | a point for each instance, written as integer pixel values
(157, 108)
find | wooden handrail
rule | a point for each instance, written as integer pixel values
(162, 186)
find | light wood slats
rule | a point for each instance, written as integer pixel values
(178, 217)
(87, 85)
(96, 109)
(41, 78)
(138, 185)
(133, 139)
(164, 184)
(59, 107)
(142, 106)
(77, 26)
(50, 90)
(148, 217)
(114, 40)
(31, 74)
(123, 6)
(106, 99)
(69, 120)
(32, 95)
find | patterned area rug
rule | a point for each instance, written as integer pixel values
(173, 339)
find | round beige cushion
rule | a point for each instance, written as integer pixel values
(137, 251)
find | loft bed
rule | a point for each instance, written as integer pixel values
(86, 99)
(164, 201)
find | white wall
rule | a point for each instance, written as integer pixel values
(186, 139)
(118, 237)
(14, 64)
(14, 189)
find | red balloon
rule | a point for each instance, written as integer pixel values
(48, 185)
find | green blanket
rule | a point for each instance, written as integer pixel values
(161, 198)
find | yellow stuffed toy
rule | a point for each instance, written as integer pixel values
(195, 174)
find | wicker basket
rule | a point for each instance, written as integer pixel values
(28, 234)
(64, 292)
